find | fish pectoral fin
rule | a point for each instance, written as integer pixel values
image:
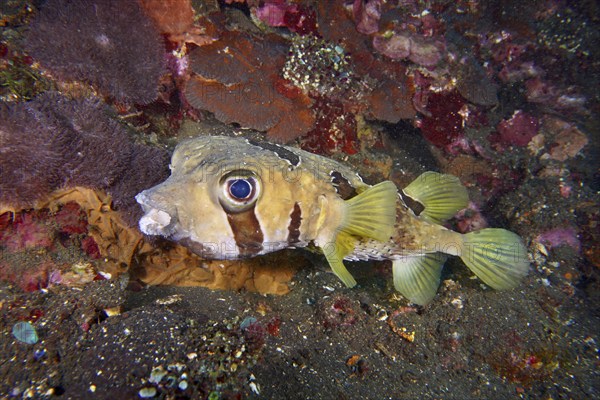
(498, 257)
(372, 213)
(441, 195)
(418, 277)
(335, 252)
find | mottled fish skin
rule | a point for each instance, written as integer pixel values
(231, 198)
(294, 184)
(286, 213)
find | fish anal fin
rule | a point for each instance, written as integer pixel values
(418, 277)
(335, 252)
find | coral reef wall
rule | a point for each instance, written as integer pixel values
(110, 44)
(54, 142)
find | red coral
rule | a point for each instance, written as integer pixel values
(89, 245)
(3, 50)
(71, 219)
(254, 335)
(334, 131)
(172, 17)
(237, 79)
(444, 124)
(338, 312)
(28, 230)
(273, 326)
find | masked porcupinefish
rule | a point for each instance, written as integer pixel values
(231, 198)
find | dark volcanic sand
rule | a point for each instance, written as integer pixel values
(321, 341)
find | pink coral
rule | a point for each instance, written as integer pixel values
(518, 130)
(560, 236)
(367, 15)
(295, 17)
(425, 51)
(396, 47)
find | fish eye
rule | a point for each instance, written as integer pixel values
(239, 190)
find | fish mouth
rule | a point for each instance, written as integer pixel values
(155, 221)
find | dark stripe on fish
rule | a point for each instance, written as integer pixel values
(411, 203)
(247, 232)
(294, 227)
(343, 186)
(281, 152)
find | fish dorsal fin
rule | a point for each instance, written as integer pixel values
(441, 195)
(372, 213)
(418, 278)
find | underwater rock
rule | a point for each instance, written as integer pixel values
(474, 84)
(568, 140)
(110, 44)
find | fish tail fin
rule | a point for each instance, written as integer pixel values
(440, 195)
(498, 257)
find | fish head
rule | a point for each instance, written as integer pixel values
(228, 199)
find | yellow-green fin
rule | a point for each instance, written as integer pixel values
(441, 195)
(418, 278)
(372, 213)
(497, 256)
(335, 253)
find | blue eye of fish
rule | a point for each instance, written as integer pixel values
(240, 189)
